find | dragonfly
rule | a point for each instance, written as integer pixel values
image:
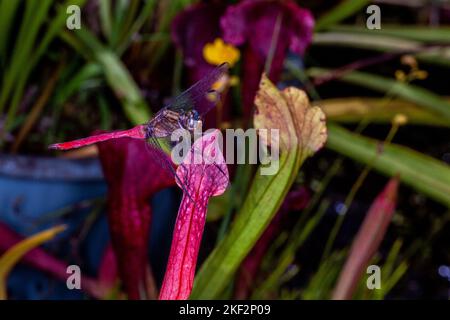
(186, 111)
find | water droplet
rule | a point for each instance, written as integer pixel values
(340, 208)
(444, 271)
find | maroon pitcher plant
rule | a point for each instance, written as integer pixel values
(133, 176)
(266, 30)
(203, 179)
(191, 30)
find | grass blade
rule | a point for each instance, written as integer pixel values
(31, 22)
(37, 108)
(144, 14)
(118, 78)
(7, 13)
(367, 241)
(17, 75)
(363, 41)
(105, 18)
(377, 110)
(438, 55)
(411, 32)
(303, 133)
(13, 255)
(409, 92)
(421, 172)
(343, 10)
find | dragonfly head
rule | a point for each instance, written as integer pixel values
(190, 120)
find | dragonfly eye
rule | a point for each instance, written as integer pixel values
(194, 115)
(191, 120)
(191, 123)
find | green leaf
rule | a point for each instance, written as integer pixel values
(302, 132)
(367, 241)
(412, 32)
(377, 110)
(126, 12)
(365, 41)
(165, 12)
(390, 270)
(75, 82)
(11, 257)
(322, 282)
(437, 55)
(264, 199)
(105, 17)
(409, 92)
(343, 10)
(32, 20)
(124, 86)
(421, 172)
(105, 116)
(29, 51)
(298, 236)
(7, 13)
(144, 14)
(118, 78)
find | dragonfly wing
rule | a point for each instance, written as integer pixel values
(198, 96)
(164, 161)
(160, 156)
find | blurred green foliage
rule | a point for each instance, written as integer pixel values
(34, 40)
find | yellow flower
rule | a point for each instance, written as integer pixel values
(414, 73)
(400, 75)
(409, 60)
(420, 74)
(400, 119)
(219, 52)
